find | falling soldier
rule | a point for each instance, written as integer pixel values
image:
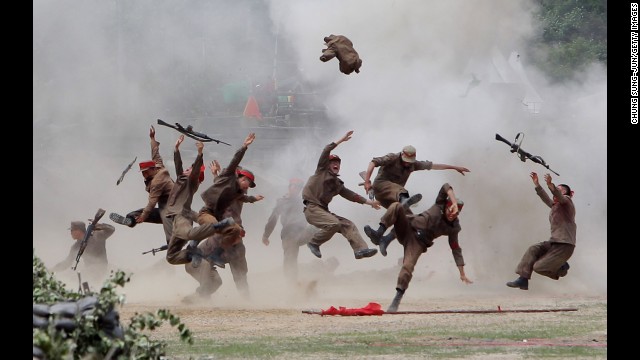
(318, 192)
(416, 233)
(549, 258)
(388, 185)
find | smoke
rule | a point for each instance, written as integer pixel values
(105, 71)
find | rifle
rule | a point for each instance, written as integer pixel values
(155, 250)
(126, 170)
(87, 235)
(188, 131)
(515, 148)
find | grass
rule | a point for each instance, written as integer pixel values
(570, 335)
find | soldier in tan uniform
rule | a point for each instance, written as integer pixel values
(179, 208)
(158, 183)
(94, 256)
(318, 192)
(416, 233)
(295, 232)
(549, 258)
(388, 186)
(230, 185)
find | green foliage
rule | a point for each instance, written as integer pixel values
(574, 35)
(89, 337)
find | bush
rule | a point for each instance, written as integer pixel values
(95, 332)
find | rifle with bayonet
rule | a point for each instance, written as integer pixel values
(155, 250)
(523, 155)
(126, 170)
(87, 235)
(188, 131)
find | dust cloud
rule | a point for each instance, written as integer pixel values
(105, 71)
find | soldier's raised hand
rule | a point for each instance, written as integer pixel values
(249, 139)
(179, 141)
(152, 133)
(346, 137)
(534, 177)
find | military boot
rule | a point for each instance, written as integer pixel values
(407, 201)
(385, 240)
(365, 253)
(122, 220)
(563, 270)
(215, 258)
(315, 250)
(375, 235)
(224, 223)
(396, 300)
(520, 282)
(194, 254)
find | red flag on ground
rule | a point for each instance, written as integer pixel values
(371, 309)
(251, 109)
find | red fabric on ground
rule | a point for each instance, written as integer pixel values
(371, 309)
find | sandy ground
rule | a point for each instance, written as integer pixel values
(279, 308)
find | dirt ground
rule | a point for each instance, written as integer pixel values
(278, 308)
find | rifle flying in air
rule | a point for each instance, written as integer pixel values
(188, 131)
(126, 170)
(523, 155)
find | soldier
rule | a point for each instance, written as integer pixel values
(549, 258)
(179, 208)
(417, 232)
(230, 185)
(95, 254)
(158, 183)
(234, 255)
(318, 192)
(388, 186)
(295, 231)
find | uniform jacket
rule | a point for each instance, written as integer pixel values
(562, 216)
(323, 185)
(433, 222)
(160, 185)
(391, 169)
(96, 251)
(181, 196)
(219, 196)
(340, 47)
(289, 210)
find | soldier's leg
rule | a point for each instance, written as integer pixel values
(412, 251)
(349, 230)
(327, 224)
(533, 253)
(550, 265)
(239, 269)
(290, 248)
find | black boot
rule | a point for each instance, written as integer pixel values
(385, 240)
(122, 220)
(224, 223)
(520, 282)
(215, 258)
(396, 301)
(315, 249)
(407, 201)
(375, 235)
(563, 270)
(194, 254)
